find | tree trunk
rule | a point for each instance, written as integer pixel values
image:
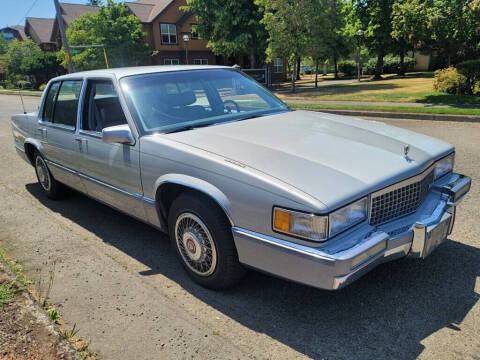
(294, 75)
(379, 66)
(401, 69)
(252, 61)
(316, 73)
(298, 68)
(336, 67)
(324, 70)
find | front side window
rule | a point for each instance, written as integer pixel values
(200, 61)
(50, 102)
(171, 62)
(278, 65)
(102, 107)
(169, 33)
(171, 101)
(66, 106)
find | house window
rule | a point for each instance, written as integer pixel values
(8, 36)
(200, 61)
(278, 65)
(171, 62)
(169, 33)
(194, 32)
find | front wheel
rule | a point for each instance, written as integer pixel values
(202, 239)
(48, 183)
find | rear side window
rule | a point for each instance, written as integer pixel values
(50, 102)
(66, 106)
(102, 106)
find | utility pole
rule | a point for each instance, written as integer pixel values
(61, 26)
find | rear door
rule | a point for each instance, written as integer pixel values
(110, 172)
(57, 125)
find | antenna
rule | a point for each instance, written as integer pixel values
(21, 99)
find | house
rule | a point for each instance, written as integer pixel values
(170, 31)
(14, 32)
(40, 30)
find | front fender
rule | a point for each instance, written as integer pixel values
(200, 185)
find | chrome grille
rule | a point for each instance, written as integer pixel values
(400, 201)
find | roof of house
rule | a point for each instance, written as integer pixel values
(158, 7)
(21, 31)
(39, 29)
(142, 11)
(71, 12)
(145, 10)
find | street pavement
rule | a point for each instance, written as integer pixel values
(119, 282)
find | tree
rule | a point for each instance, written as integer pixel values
(231, 27)
(26, 58)
(288, 26)
(454, 29)
(117, 29)
(375, 18)
(3, 45)
(408, 27)
(94, 2)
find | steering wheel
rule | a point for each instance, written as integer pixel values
(226, 102)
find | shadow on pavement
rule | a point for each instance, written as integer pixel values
(387, 313)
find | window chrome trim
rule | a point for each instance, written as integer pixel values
(95, 134)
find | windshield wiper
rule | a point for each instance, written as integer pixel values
(187, 127)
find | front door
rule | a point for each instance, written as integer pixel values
(110, 172)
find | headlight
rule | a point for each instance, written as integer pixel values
(300, 224)
(444, 165)
(348, 216)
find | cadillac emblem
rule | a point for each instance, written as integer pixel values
(406, 150)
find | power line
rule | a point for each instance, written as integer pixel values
(29, 9)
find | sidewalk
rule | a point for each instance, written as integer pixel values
(377, 103)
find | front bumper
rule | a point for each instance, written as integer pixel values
(345, 258)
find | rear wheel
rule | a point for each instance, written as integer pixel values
(48, 183)
(202, 239)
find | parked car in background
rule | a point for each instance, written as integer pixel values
(237, 179)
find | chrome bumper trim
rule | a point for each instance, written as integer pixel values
(332, 267)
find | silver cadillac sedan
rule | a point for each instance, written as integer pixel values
(237, 179)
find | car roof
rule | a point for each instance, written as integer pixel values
(138, 70)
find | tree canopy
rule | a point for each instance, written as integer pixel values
(231, 27)
(117, 29)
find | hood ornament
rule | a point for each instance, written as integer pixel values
(406, 150)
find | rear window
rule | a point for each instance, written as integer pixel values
(50, 102)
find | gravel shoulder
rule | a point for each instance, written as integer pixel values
(26, 332)
(118, 281)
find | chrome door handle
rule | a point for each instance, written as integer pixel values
(42, 131)
(80, 143)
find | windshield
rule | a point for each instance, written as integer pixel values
(172, 101)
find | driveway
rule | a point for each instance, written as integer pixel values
(119, 282)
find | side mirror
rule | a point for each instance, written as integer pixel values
(118, 134)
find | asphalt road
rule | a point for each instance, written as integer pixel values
(119, 282)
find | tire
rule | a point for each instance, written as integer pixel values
(50, 186)
(201, 237)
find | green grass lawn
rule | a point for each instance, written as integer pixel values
(413, 89)
(404, 109)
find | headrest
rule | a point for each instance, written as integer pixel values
(181, 99)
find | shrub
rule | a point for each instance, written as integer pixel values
(347, 67)
(450, 81)
(42, 87)
(391, 65)
(23, 84)
(471, 70)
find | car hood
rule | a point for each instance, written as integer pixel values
(332, 158)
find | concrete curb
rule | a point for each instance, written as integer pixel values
(400, 115)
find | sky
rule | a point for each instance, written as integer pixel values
(13, 12)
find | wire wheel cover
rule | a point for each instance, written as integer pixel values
(43, 174)
(195, 244)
